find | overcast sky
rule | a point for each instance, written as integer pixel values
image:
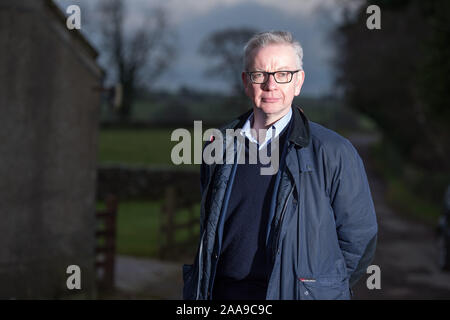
(310, 21)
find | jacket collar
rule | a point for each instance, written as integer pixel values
(299, 135)
(300, 131)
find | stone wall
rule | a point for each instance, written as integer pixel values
(48, 133)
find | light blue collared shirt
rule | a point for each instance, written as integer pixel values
(277, 127)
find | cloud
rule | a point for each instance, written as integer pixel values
(203, 7)
(311, 29)
(310, 21)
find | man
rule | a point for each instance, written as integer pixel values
(306, 232)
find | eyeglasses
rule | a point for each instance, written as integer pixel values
(259, 77)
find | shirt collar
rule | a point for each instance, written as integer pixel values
(276, 127)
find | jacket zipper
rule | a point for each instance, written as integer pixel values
(281, 221)
(222, 215)
(200, 253)
(199, 265)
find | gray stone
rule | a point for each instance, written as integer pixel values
(48, 131)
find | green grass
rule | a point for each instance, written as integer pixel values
(400, 193)
(140, 146)
(138, 227)
(135, 146)
(406, 201)
(185, 215)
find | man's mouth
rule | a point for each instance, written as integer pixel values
(270, 100)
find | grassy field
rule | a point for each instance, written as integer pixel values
(139, 221)
(138, 227)
(405, 201)
(402, 193)
(149, 147)
(135, 146)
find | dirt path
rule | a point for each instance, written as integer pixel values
(406, 251)
(138, 278)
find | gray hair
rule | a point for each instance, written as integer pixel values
(263, 39)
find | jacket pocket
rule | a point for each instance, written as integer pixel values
(324, 288)
(189, 288)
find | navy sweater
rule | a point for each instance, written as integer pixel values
(243, 266)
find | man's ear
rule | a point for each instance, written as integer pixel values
(245, 82)
(299, 82)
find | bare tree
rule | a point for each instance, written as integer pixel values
(136, 55)
(226, 47)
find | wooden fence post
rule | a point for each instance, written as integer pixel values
(168, 217)
(108, 249)
(169, 227)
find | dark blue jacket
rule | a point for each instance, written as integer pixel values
(323, 234)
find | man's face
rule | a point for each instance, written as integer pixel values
(272, 98)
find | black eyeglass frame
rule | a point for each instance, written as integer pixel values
(250, 73)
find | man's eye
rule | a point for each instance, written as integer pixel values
(258, 75)
(282, 74)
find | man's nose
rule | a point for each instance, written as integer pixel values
(271, 83)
